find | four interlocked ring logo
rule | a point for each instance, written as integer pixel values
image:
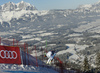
(5, 54)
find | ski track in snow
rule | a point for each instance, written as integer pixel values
(11, 68)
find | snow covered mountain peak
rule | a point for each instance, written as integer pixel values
(98, 2)
(11, 3)
(25, 6)
(23, 3)
(92, 7)
(11, 10)
(10, 6)
(85, 6)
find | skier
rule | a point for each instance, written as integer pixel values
(50, 55)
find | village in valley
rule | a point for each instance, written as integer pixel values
(73, 34)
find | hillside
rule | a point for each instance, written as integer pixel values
(77, 28)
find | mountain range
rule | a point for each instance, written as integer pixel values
(10, 6)
(13, 16)
(59, 27)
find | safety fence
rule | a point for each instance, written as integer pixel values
(13, 42)
(24, 49)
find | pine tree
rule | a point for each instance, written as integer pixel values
(85, 65)
(98, 61)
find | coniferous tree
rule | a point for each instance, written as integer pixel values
(98, 61)
(86, 66)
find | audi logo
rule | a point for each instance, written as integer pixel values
(5, 54)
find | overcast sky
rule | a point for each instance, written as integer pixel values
(53, 4)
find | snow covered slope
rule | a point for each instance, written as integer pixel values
(11, 10)
(73, 49)
(6, 68)
(25, 67)
(92, 27)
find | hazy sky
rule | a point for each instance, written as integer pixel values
(53, 4)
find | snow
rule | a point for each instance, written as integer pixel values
(34, 53)
(6, 68)
(74, 57)
(14, 68)
(74, 34)
(98, 2)
(92, 27)
(43, 41)
(71, 50)
(38, 32)
(8, 39)
(23, 28)
(17, 13)
(26, 36)
(86, 6)
(26, 68)
(43, 12)
(6, 33)
(46, 34)
(22, 2)
(31, 39)
(8, 15)
(95, 36)
(27, 4)
(51, 44)
(59, 26)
